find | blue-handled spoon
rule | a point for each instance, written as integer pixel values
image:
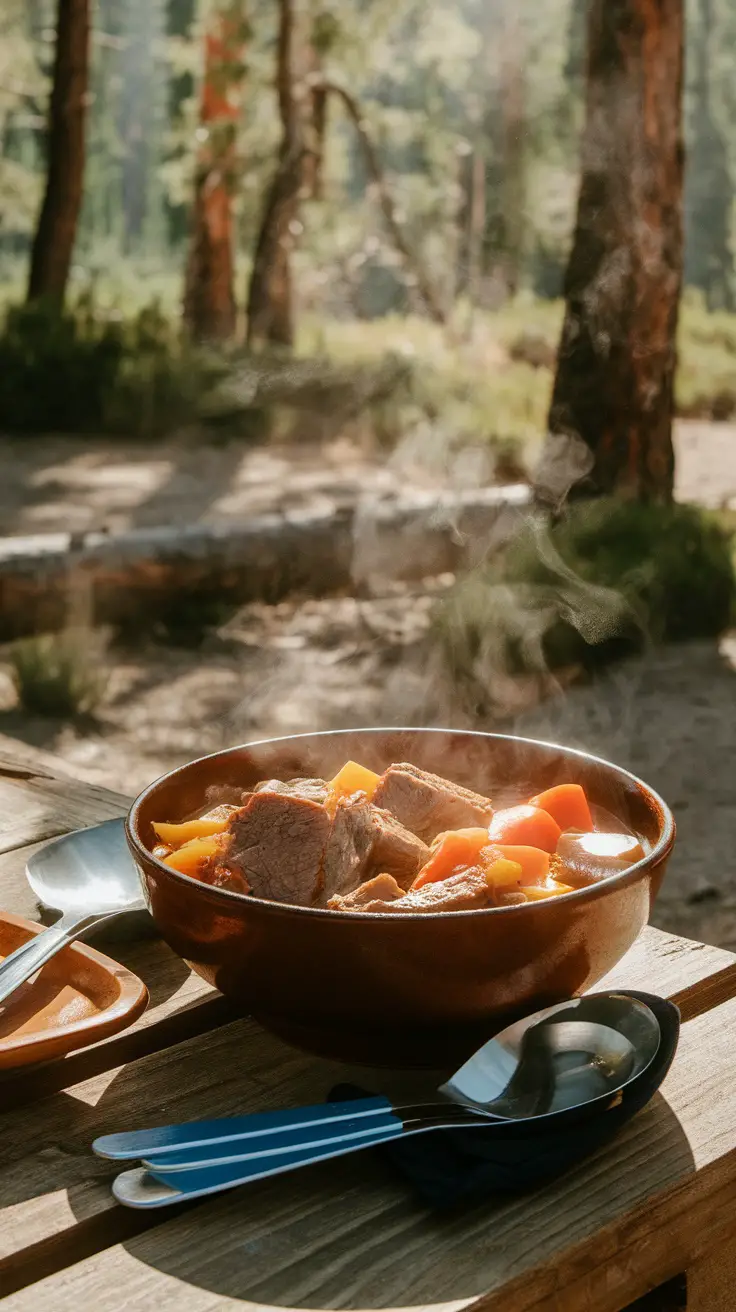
(561, 1060)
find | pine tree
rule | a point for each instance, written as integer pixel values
(614, 384)
(57, 224)
(270, 290)
(209, 297)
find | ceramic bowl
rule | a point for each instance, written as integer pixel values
(400, 989)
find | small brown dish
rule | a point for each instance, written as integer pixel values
(400, 989)
(79, 997)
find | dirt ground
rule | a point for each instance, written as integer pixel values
(338, 662)
(52, 485)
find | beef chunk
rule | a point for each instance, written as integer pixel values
(364, 839)
(221, 876)
(348, 852)
(396, 850)
(287, 847)
(314, 790)
(427, 804)
(466, 891)
(277, 844)
(374, 894)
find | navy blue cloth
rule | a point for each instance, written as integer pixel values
(451, 1167)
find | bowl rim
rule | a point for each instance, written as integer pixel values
(225, 897)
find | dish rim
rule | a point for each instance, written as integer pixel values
(131, 1002)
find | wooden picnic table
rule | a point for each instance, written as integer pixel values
(658, 1202)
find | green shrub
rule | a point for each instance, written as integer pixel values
(605, 580)
(60, 675)
(78, 370)
(56, 368)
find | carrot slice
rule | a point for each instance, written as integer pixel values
(533, 861)
(453, 850)
(568, 805)
(476, 837)
(176, 835)
(529, 826)
(193, 856)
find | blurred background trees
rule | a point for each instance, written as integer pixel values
(481, 99)
(268, 170)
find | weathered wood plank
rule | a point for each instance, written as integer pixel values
(37, 806)
(349, 1224)
(711, 1282)
(182, 1006)
(695, 976)
(346, 1234)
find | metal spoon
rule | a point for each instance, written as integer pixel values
(563, 1059)
(88, 876)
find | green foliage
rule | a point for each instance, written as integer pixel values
(463, 389)
(76, 370)
(60, 675)
(671, 565)
(705, 382)
(433, 82)
(56, 369)
(609, 577)
(130, 371)
(709, 253)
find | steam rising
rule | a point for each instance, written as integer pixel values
(565, 461)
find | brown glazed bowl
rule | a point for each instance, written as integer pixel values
(400, 989)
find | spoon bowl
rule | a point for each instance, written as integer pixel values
(87, 872)
(89, 877)
(571, 1055)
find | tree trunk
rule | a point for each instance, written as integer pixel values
(513, 154)
(270, 293)
(53, 243)
(615, 370)
(209, 298)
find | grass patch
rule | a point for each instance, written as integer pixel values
(114, 364)
(609, 578)
(60, 675)
(465, 390)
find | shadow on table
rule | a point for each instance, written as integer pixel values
(348, 1233)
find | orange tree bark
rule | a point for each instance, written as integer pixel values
(270, 291)
(53, 243)
(615, 372)
(209, 297)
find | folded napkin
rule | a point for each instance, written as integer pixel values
(448, 1167)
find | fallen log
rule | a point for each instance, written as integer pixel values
(138, 576)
